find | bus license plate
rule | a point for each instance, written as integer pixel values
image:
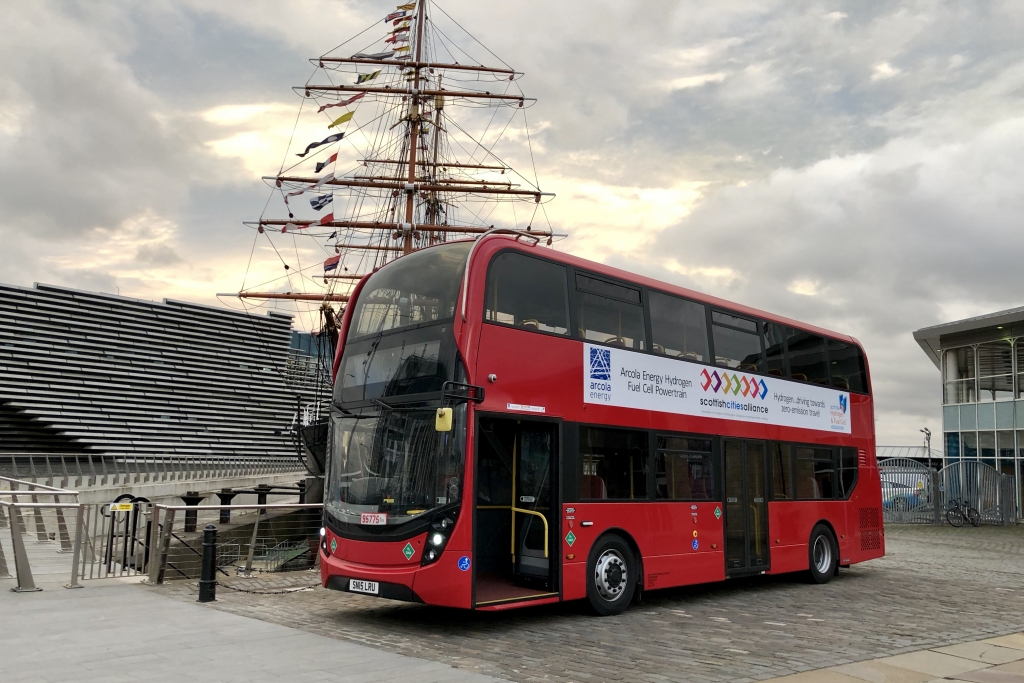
(357, 586)
(374, 518)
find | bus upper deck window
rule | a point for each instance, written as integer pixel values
(679, 327)
(737, 342)
(528, 293)
(610, 313)
(807, 358)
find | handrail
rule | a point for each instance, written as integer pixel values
(253, 506)
(546, 533)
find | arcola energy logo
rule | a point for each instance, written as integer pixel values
(731, 383)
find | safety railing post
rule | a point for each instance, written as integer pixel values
(76, 555)
(62, 526)
(252, 543)
(4, 571)
(153, 544)
(21, 566)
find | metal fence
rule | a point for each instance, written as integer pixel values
(104, 470)
(51, 533)
(913, 493)
(39, 530)
(251, 539)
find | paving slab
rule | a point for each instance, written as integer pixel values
(987, 653)
(115, 633)
(1014, 640)
(933, 663)
(875, 671)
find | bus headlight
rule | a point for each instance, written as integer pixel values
(437, 537)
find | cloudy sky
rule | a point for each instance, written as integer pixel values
(857, 165)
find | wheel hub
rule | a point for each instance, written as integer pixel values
(610, 575)
(822, 555)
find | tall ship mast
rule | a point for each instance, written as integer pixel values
(397, 146)
(404, 138)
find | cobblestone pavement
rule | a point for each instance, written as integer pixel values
(937, 586)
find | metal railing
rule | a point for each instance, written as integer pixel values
(11, 490)
(251, 539)
(103, 470)
(913, 493)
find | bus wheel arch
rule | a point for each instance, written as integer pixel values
(822, 552)
(614, 572)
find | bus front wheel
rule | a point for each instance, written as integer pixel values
(611, 575)
(823, 554)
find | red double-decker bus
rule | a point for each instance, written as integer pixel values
(514, 426)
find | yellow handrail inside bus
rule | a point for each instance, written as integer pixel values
(531, 512)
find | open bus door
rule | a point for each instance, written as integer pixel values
(515, 512)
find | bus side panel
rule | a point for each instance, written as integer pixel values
(676, 527)
(790, 524)
(538, 370)
(630, 519)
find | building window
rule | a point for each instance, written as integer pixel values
(683, 469)
(969, 444)
(987, 447)
(679, 328)
(995, 371)
(953, 446)
(613, 464)
(958, 375)
(528, 293)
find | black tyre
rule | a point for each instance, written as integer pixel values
(823, 555)
(611, 575)
(954, 517)
(974, 517)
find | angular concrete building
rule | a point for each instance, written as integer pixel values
(82, 372)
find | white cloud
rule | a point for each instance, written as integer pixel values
(884, 71)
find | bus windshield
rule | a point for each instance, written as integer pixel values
(417, 289)
(394, 462)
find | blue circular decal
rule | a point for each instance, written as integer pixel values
(695, 544)
(464, 562)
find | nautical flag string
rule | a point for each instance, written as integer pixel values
(396, 39)
(395, 15)
(326, 141)
(289, 225)
(375, 55)
(402, 49)
(329, 218)
(363, 78)
(331, 263)
(333, 235)
(408, 5)
(400, 29)
(344, 118)
(396, 22)
(343, 103)
(329, 160)
(320, 201)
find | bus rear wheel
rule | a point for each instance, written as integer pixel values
(611, 576)
(823, 554)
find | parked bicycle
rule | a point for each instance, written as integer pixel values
(959, 511)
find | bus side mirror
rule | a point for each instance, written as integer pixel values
(443, 421)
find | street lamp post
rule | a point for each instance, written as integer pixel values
(927, 444)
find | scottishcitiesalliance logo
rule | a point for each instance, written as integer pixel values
(733, 384)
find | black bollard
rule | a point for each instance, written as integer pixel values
(207, 575)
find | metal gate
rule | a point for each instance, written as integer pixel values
(909, 492)
(982, 487)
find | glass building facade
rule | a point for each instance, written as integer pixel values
(982, 365)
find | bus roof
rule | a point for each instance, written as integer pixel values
(611, 271)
